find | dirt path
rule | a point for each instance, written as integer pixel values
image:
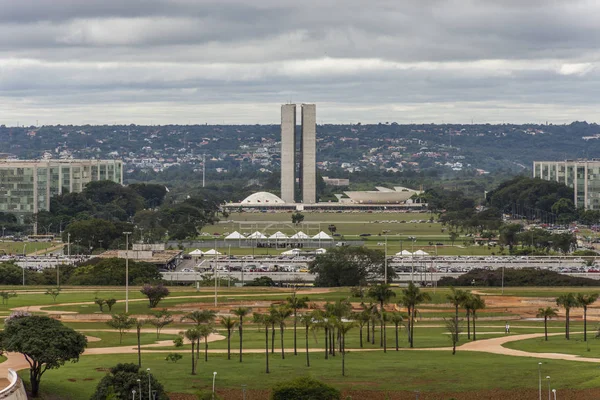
(41, 308)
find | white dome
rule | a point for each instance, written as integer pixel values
(262, 198)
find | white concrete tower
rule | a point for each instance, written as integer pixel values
(309, 154)
(288, 152)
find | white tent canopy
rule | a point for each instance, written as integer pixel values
(291, 252)
(299, 235)
(278, 235)
(420, 253)
(235, 235)
(256, 235)
(322, 235)
(212, 252)
(404, 253)
(321, 251)
(196, 252)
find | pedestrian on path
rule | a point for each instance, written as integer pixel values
(507, 328)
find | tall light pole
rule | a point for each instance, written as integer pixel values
(385, 263)
(540, 380)
(214, 379)
(139, 381)
(24, 255)
(548, 378)
(127, 273)
(215, 269)
(554, 393)
(69, 245)
(149, 386)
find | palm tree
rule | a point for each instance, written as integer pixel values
(229, 324)
(200, 317)
(546, 313)
(265, 320)
(567, 301)
(241, 312)
(193, 335)
(320, 321)
(396, 318)
(584, 300)
(476, 303)
(362, 318)
(307, 321)
(205, 331)
(466, 303)
(456, 298)
(283, 312)
(343, 328)
(296, 303)
(274, 320)
(411, 298)
(138, 327)
(382, 294)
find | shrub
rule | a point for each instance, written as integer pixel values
(173, 357)
(304, 388)
(207, 395)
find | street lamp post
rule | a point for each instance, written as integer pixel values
(149, 384)
(243, 392)
(139, 381)
(554, 393)
(548, 378)
(540, 380)
(133, 394)
(127, 272)
(25, 266)
(214, 379)
(385, 263)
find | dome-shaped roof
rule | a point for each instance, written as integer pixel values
(262, 198)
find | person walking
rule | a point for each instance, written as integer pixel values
(507, 328)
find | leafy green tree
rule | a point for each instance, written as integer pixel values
(121, 322)
(584, 301)
(296, 303)
(241, 312)
(343, 329)
(100, 303)
(5, 295)
(160, 319)
(297, 218)
(205, 331)
(155, 293)
(349, 266)
(229, 324)
(110, 303)
(54, 292)
(456, 298)
(200, 317)
(454, 329)
(411, 297)
(567, 301)
(193, 335)
(45, 342)
(508, 235)
(304, 388)
(123, 378)
(307, 321)
(111, 272)
(382, 294)
(546, 313)
(95, 233)
(453, 236)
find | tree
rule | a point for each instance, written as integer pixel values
(456, 298)
(567, 301)
(100, 303)
(193, 335)
(139, 322)
(205, 331)
(396, 318)
(45, 342)
(155, 293)
(411, 298)
(161, 319)
(477, 303)
(265, 320)
(362, 318)
(307, 321)
(585, 300)
(466, 304)
(241, 312)
(343, 328)
(121, 322)
(453, 236)
(454, 329)
(508, 235)
(304, 388)
(199, 318)
(229, 324)
(123, 379)
(332, 228)
(54, 292)
(546, 313)
(382, 294)
(5, 295)
(297, 218)
(349, 266)
(296, 303)
(110, 303)
(283, 312)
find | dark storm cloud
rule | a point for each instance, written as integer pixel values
(376, 57)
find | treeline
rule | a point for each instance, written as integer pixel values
(516, 277)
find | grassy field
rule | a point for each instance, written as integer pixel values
(425, 371)
(17, 247)
(558, 344)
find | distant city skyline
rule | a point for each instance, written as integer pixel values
(234, 62)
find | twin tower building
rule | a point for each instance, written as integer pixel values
(298, 155)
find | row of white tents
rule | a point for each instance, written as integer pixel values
(405, 253)
(211, 252)
(278, 235)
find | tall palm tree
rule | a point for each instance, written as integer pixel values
(411, 297)
(138, 327)
(567, 301)
(476, 303)
(265, 320)
(466, 304)
(456, 298)
(361, 319)
(382, 294)
(241, 312)
(307, 321)
(296, 303)
(546, 313)
(343, 328)
(274, 313)
(205, 332)
(229, 324)
(200, 317)
(396, 318)
(585, 300)
(320, 321)
(193, 335)
(283, 312)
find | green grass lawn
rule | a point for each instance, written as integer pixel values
(558, 344)
(425, 371)
(110, 339)
(30, 247)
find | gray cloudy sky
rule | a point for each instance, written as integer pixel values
(234, 61)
